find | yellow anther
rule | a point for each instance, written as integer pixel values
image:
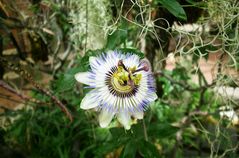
(120, 69)
(132, 69)
(137, 79)
(123, 76)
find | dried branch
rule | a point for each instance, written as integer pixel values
(10, 89)
(28, 77)
(23, 97)
(8, 97)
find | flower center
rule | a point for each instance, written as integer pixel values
(124, 80)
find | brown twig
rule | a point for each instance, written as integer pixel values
(23, 97)
(28, 77)
(9, 98)
(10, 89)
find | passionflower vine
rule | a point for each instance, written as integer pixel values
(122, 86)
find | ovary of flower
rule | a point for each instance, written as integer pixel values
(122, 86)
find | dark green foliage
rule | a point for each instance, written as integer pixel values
(118, 37)
(174, 7)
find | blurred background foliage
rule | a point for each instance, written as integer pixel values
(43, 43)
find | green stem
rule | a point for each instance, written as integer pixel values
(145, 132)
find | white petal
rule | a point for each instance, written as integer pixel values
(93, 62)
(139, 115)
(106, 96)
(84, 77)
(154, 96)
(105, 118)
(124, 119)
(90, 100)
(131, 60)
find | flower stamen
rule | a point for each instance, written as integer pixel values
(120, 63)
(144, 68)
(126, 76)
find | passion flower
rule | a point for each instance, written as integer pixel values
(122, 86)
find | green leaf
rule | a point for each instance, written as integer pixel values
(148, 150)
(175, 8)
(119, 137)
(66, 80)
(129, 150)
(118, 36)
(166, 85)
(120, 134)
(162, 130)
(109, 146)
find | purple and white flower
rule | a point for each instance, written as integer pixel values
(122, 86)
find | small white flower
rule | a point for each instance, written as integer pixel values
(123, 85)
